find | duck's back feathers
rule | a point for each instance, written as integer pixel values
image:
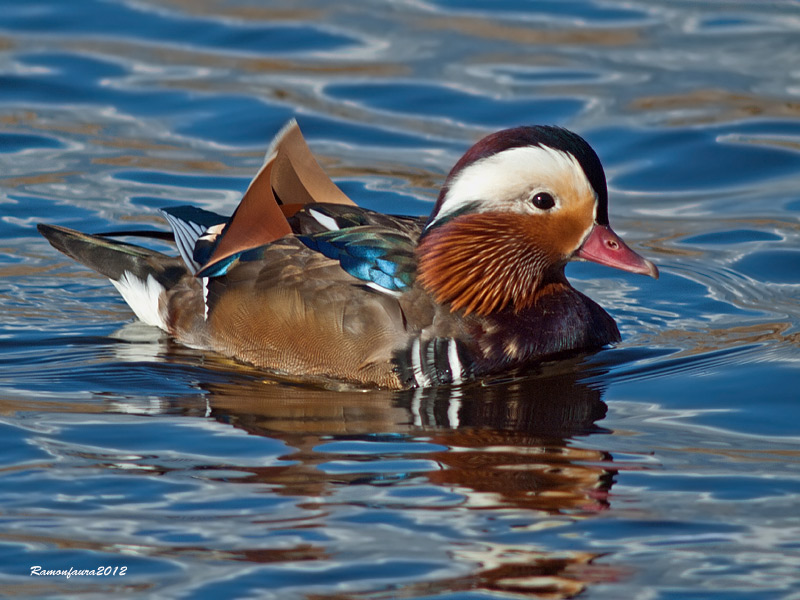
(320, 217)
(296, 311)
(260, 310)
(296, 176)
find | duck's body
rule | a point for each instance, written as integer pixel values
(304, 283)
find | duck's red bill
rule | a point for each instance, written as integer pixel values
(605, 247)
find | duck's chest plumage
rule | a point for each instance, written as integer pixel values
(454, 348)
(561, 321)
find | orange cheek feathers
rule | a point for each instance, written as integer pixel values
(482, 263)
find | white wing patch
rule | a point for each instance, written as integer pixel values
(143, 298)
(327, 222)
(383, 290)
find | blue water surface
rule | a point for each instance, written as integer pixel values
(667, 467)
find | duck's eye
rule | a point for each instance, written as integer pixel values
(543, 201)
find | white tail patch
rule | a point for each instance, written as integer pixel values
(143, 298)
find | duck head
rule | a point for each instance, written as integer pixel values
(517, 207)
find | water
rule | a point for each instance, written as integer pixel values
(668, 467)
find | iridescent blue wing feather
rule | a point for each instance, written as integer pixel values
(375, 248)
(377, 255)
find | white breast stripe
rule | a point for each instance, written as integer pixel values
(454, 362)
(416, 364)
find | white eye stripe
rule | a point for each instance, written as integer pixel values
(501, 179)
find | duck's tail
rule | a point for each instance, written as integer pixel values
(148, 279)
(141, 275)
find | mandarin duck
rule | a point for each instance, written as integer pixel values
(305, 284)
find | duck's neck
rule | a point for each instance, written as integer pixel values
(485, 264)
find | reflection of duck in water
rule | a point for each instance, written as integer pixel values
(510, 447)
(502, 447)
(510, 436)
(304, 283)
